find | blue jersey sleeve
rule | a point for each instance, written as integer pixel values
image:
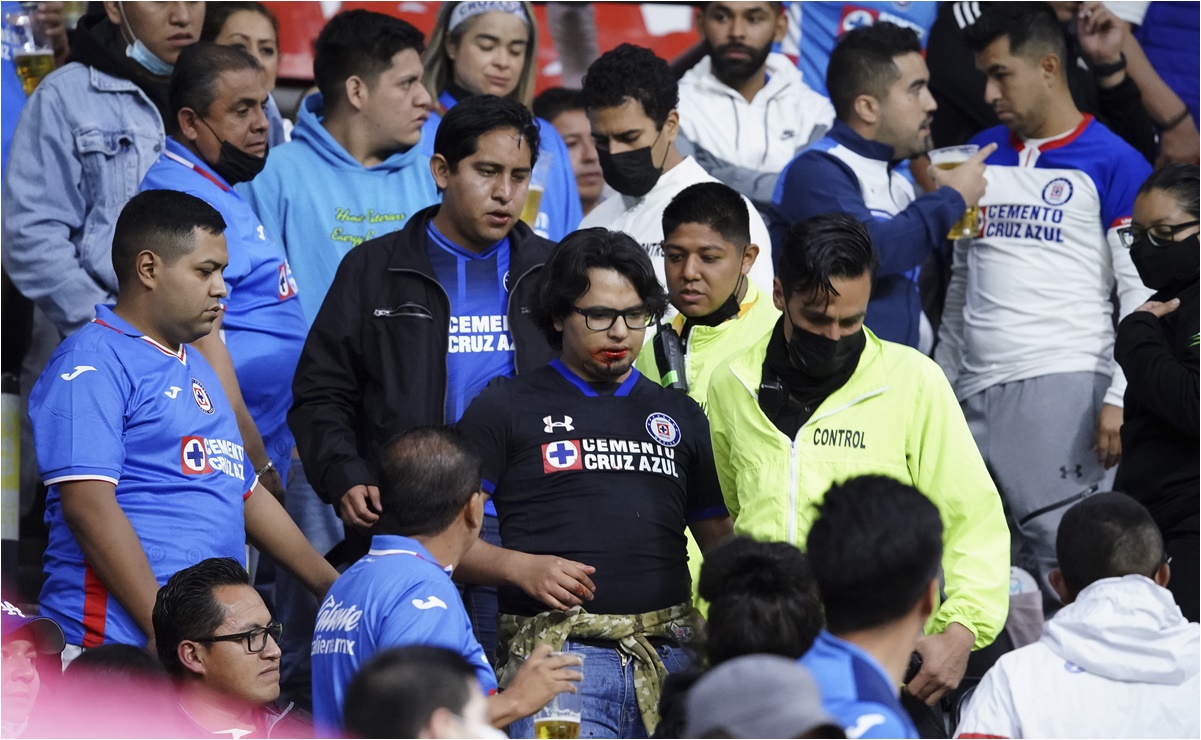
(1120, 187)
(78, 411)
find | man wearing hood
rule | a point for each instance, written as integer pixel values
(1119, 658)
(352, 172)
(743, 88)
(85, 139)
(631, 97)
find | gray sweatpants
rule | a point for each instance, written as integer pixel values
(1036, 436)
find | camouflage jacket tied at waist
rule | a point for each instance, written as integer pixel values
(518, 636)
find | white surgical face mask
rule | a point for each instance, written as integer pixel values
(140, 53)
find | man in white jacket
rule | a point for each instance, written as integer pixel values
(744, 110)
(631, 97)
(1119, 660)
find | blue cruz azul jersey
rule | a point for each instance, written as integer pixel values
(396, 595)
(855, 689)
(263, 325)
(116, 406)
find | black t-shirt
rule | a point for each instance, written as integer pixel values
(607, 479)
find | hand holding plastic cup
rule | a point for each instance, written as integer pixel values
(948, 158)
(560, 718)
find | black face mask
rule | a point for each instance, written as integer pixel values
(632, 173)
(233, 164)
(820, 357)
(1167, 266)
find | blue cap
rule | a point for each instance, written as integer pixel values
(47, 635)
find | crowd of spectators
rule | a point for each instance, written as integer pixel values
(691, 388)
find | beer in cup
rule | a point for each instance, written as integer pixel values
(948, 158)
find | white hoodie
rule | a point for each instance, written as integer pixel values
(760, 136)
(1118, 662)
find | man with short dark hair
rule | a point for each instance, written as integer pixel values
(565, 110)
(1028, 328)
(877, 83)
(1119, 658)
(744, 109)
(819, 399)
(417, 691)
(216, 638)
(138, 443)
(218, 139)
(632, 97)
(589, 461)
(432, 508)
(875, 550)
(418, 321)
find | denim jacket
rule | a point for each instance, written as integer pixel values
(81, 147)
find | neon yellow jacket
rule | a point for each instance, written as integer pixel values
(896, 416)
(711, 347)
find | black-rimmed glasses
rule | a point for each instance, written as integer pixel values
(256, 639)
(1159, 236)
(602, 319)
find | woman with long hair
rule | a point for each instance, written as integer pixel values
(254, 29)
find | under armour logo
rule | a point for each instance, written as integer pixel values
(432, 602)
(79, 370)
(173, 392)
(552, 425)
(1064, 471)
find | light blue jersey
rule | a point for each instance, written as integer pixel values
(396, 595)
(263, 326)
(116, 406)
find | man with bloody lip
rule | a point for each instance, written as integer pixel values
(587, 460)
(417, 322)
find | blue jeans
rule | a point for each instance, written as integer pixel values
(480, 601)
(295, 606)
(609, 705)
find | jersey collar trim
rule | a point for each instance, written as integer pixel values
(180, 154)
(109, 320)
(383, 545)
(622, 390)
(1062, 141)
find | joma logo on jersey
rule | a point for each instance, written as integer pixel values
(193, 457)
(561, 455)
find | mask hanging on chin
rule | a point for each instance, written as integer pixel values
(140, 53)
(1166, 267)
(632, 173)
(820, 357)
(233, 164)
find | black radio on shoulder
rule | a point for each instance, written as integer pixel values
(669, 357)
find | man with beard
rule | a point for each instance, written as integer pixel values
(741, 87)
(877, 83)
(587, 459)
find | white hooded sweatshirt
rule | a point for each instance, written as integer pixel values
(1119, 662)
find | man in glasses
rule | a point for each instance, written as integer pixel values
(1028, 328)
(216, 638)
(589, 461)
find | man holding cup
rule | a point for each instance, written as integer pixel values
(877, 82)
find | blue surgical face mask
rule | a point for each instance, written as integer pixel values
(141, 54)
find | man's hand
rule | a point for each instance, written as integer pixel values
(1100, 33)
(554, 581)
(360, 507)
(944, 660)
(1159, 309)
(1179, 145)
(271, 481)
(540, 678)
(1108, 439)
(50, 28)
(968, 178)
